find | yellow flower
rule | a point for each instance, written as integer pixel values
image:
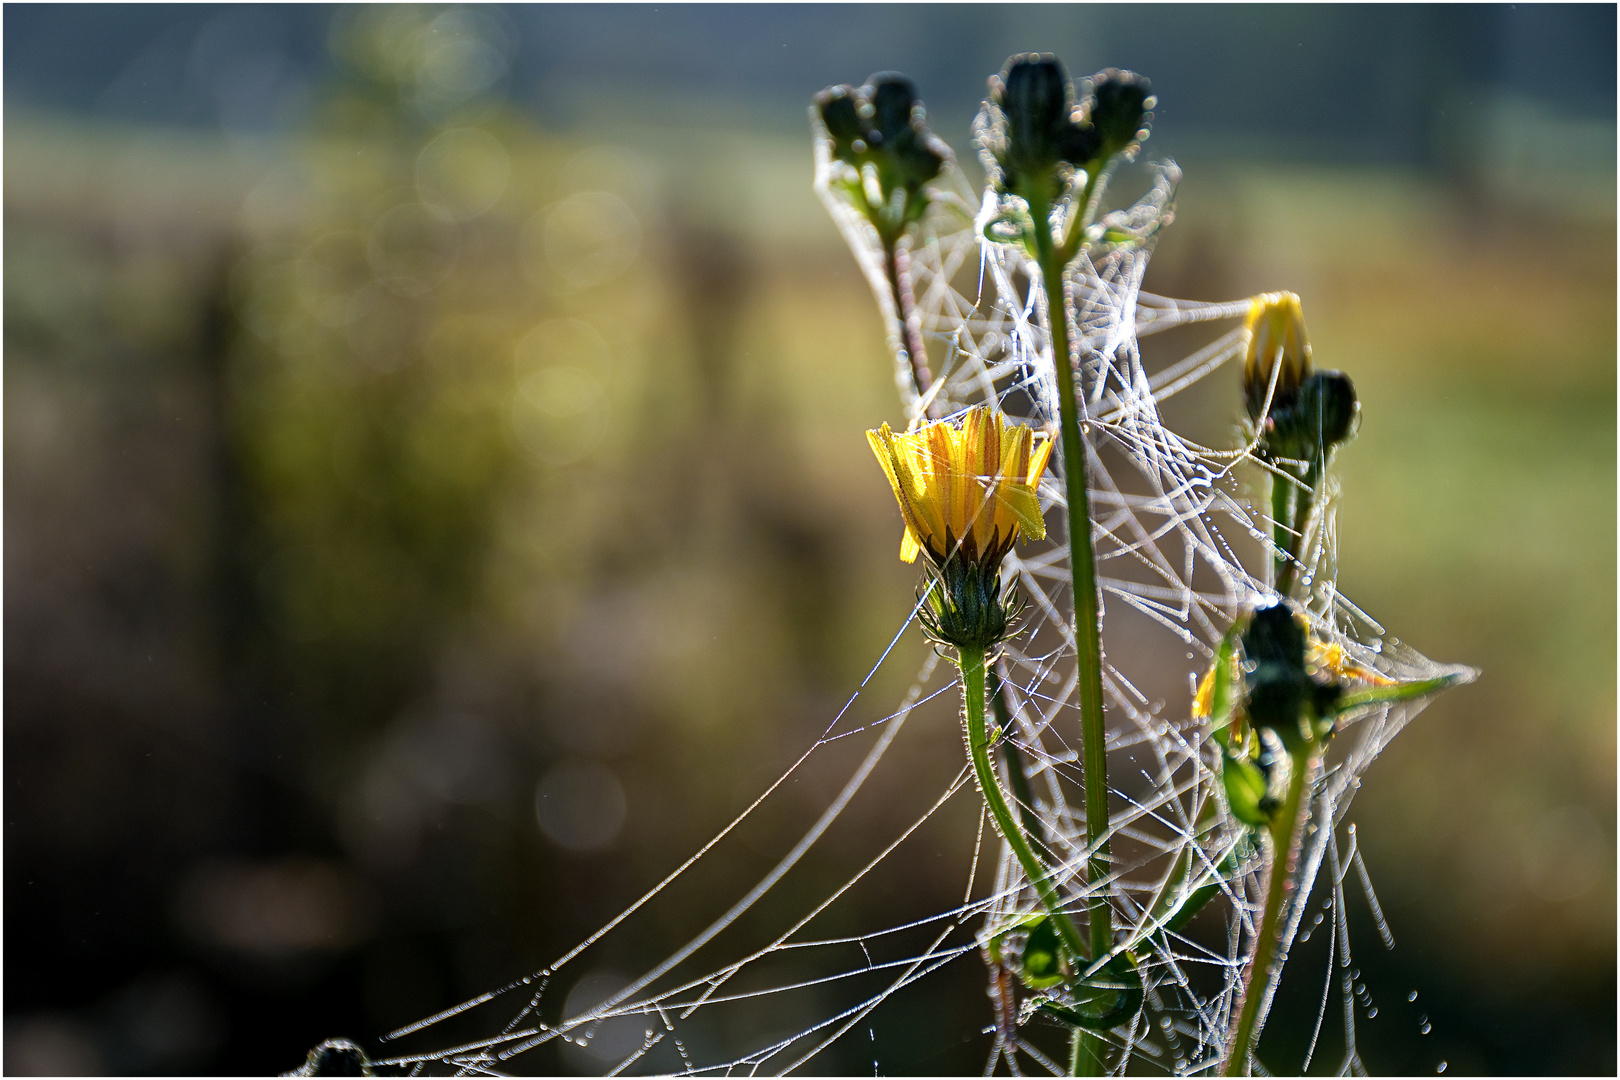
(1277, 342)
(965, 486)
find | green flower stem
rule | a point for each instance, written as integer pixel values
(971, 662)
(1082, 563)
(1016, 776)
(1076, 233)
(1086, 1046)
(1291, 508)
(1285, 831)
(908, 332)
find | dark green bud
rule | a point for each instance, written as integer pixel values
(836, 104)
(1080, 145)
(1327, 407)
(336, 1057)
(1118, 110)
(1036, 98)
(1311, 421)
(1029, 126)
(893, 97)
(1033, 123)
(882, 123)
(1281, 695)
(1274, 646)
(914, 153)
(1274, 636)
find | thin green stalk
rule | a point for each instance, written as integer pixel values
(1285, 832)
(1082, 563)
(1292, 504)
(1026, 812)
(1080, 1054)
(1016, 776)
(1086, 1050)
(971, 661)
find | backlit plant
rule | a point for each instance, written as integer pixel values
(1287, 673)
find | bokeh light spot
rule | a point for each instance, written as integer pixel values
(585, 240)
(463, 172)
(580, 806)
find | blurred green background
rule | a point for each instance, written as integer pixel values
(436, 500)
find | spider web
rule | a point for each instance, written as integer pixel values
(1180, 554)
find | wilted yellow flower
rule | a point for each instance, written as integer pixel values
(1277, 342)
(1321, 657)
(966, 486)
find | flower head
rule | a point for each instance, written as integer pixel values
(1310, 411)
(1278, 348)
(967, 491)
(966, 486)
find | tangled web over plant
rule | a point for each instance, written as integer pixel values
(1180, 553)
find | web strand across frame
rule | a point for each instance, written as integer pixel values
(1180, 553)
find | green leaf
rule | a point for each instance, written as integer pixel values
(1103, 1001)
(1221, 699)
(1246, 790)
(1384, 695)
(1042, 963)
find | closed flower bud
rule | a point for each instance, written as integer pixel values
(1033, 123)
(1280, 692)
(1327, 408)
(1277, 683)
(893, 97)
(1278, 346)
(336, 1057)
(1118, 110)
(1028, 126)
(1035, 96)
(836, 105)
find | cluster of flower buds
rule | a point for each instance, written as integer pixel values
(880, 131)
(1035, 132)
(1299, 413)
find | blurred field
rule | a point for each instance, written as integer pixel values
(421, 536)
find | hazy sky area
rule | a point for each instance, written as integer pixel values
(1378, 83)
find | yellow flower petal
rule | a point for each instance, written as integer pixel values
(910, 547)
(1037, 461)
(968, 484)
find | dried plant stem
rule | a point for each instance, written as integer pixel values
(908, 324)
